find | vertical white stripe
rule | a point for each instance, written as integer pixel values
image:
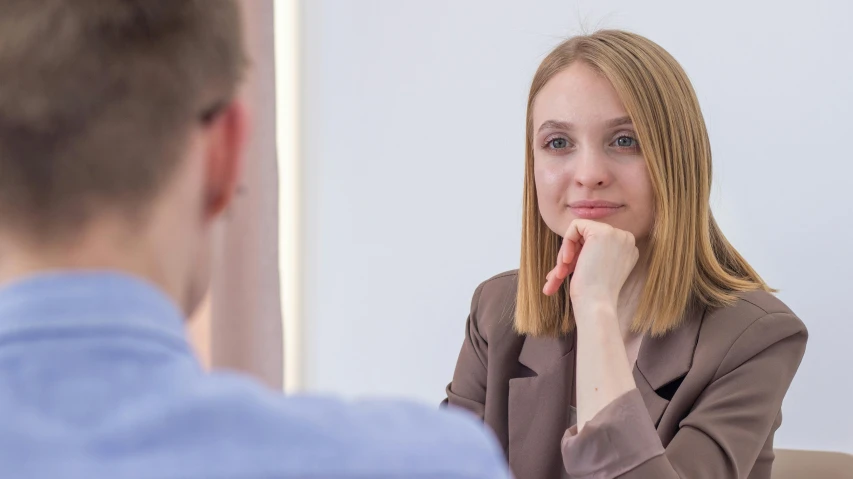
(287, 136)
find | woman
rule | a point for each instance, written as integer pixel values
(633, 341)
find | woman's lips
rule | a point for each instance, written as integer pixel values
(594, 209)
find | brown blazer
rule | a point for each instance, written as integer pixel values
(707, 403)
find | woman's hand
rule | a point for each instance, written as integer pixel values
(599, 256)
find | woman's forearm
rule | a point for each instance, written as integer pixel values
(603, 370)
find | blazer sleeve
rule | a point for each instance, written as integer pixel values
(468, 388)
(723, 434)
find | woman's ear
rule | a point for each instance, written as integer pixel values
(227, 134)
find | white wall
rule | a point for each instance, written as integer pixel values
(412, 141)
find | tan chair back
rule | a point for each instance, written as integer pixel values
(796, 464)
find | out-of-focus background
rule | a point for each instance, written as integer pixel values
(396, 188)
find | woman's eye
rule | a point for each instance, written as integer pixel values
(626, 142)
(558, 143)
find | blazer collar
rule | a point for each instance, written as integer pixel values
(538, 403)
(539, 354)
(664, 359)
(661, 360)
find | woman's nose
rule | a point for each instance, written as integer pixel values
(591, 170)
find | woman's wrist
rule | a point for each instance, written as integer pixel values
(593, 311)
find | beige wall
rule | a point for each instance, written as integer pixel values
(240, 326)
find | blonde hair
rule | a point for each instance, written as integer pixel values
(690, 261)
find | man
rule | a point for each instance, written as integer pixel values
(120, 146)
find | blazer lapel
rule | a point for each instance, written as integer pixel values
(538, 406)
(663, 361)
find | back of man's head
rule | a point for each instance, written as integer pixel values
(97, 98)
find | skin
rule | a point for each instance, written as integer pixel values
(169, 246)
(593, 189)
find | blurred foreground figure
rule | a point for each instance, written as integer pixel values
(120, 147)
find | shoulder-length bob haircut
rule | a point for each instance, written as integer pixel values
(690, 261)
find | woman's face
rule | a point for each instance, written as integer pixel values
(586, 158)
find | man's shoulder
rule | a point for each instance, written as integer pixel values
(234, 420)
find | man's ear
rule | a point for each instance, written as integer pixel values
(226, 141)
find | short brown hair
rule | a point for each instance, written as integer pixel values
(97, 98)
(691, 262)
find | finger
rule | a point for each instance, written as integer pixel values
(570, 251)
(560, 273)
(550, 274)
(566, 260)
(560, 261)
(575, 232)
(553, 280)
(552, 285)
(570, 267)
(556, 277)
(572, 240)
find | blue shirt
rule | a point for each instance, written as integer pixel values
(98, 380)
